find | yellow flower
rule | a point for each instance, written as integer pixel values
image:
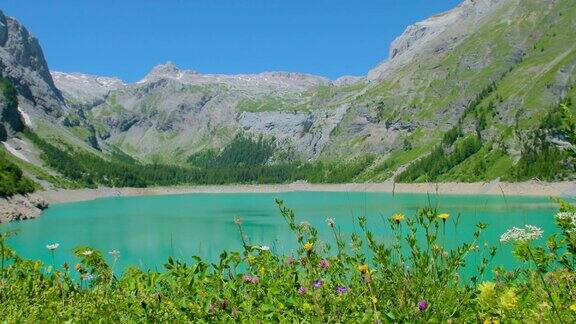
(444, 216)
(509, 300)
(308, 246)
(487, 293)
(250, 259)
(573, 307)
(398, 217)
(491, 321)
(363, 268)
(374, 300)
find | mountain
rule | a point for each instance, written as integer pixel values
(480, 92)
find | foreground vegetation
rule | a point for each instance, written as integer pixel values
(413, 278)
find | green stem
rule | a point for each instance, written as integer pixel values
(545, 286)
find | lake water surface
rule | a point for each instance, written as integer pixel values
(147, 229)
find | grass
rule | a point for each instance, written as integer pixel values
(409, 277)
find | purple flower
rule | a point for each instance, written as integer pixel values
(250, 279)
(289, 261)
(324, 264)
(255, 280)
(318, 283)
(302, 290)
(341, 290)
(422, 305)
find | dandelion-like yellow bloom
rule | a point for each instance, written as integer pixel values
(444, 216)
(491, 321)
(487, 292)
(573, 307)
(374, 300)
(398, 217)
(509, 300)
(363, 268)
(308, 246)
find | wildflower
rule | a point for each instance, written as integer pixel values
(303, 261)
(317, 283)
(250, 279)
(289, 261)
(304, 225)
(255, 280)
(341, 290)
(308, 246)
(573, 307)
(264, 248)
(568, 220)
(238, 220)
(87, 277)
(302, 290)
(330, 222)
(487, 292)
(78, 267)
(324, 264)
(491, 321)
(363, 268)
(114, 253)
(528, 233)
(52, 246)
(398, 218)
(422, 305)
(509, 300)
(374, 300)
(443, 216)
(87, 253)
(250, 258)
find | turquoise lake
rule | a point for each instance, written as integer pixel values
(148, 229)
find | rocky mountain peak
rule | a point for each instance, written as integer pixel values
(168, 70)
(22, 61)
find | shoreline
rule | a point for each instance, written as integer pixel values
(531, 188)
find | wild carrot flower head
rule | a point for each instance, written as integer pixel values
(422, 305)
(330, 222)
(363, 268)
(567, 219)
(87, 253)
(52, 246)
(308, 246)
(398, 217)
(324, 264)
(528, 233)
(317, 283)
(341, 289)
(443, 216)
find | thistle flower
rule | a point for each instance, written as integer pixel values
(324, 264)
(302, 291)
(341, 289)
(308, 246)
(330, 222)
(422, 305)
(528, 233)
(87, 253)
(52, 246)
(443, 216)
(398, 217)
(363, 268)
(317, 283)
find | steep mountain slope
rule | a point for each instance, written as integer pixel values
(470, 95)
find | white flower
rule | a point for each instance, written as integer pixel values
(114, 253)
(304, 225)
(87, 277)
(87, 252)
(330, 222)
(52, 246)
(528, 233)
(569, 218)
(265, 248)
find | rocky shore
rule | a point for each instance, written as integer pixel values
(21, 207)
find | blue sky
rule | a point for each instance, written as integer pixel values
(126, 38)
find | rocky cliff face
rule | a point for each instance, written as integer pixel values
(22, 61)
